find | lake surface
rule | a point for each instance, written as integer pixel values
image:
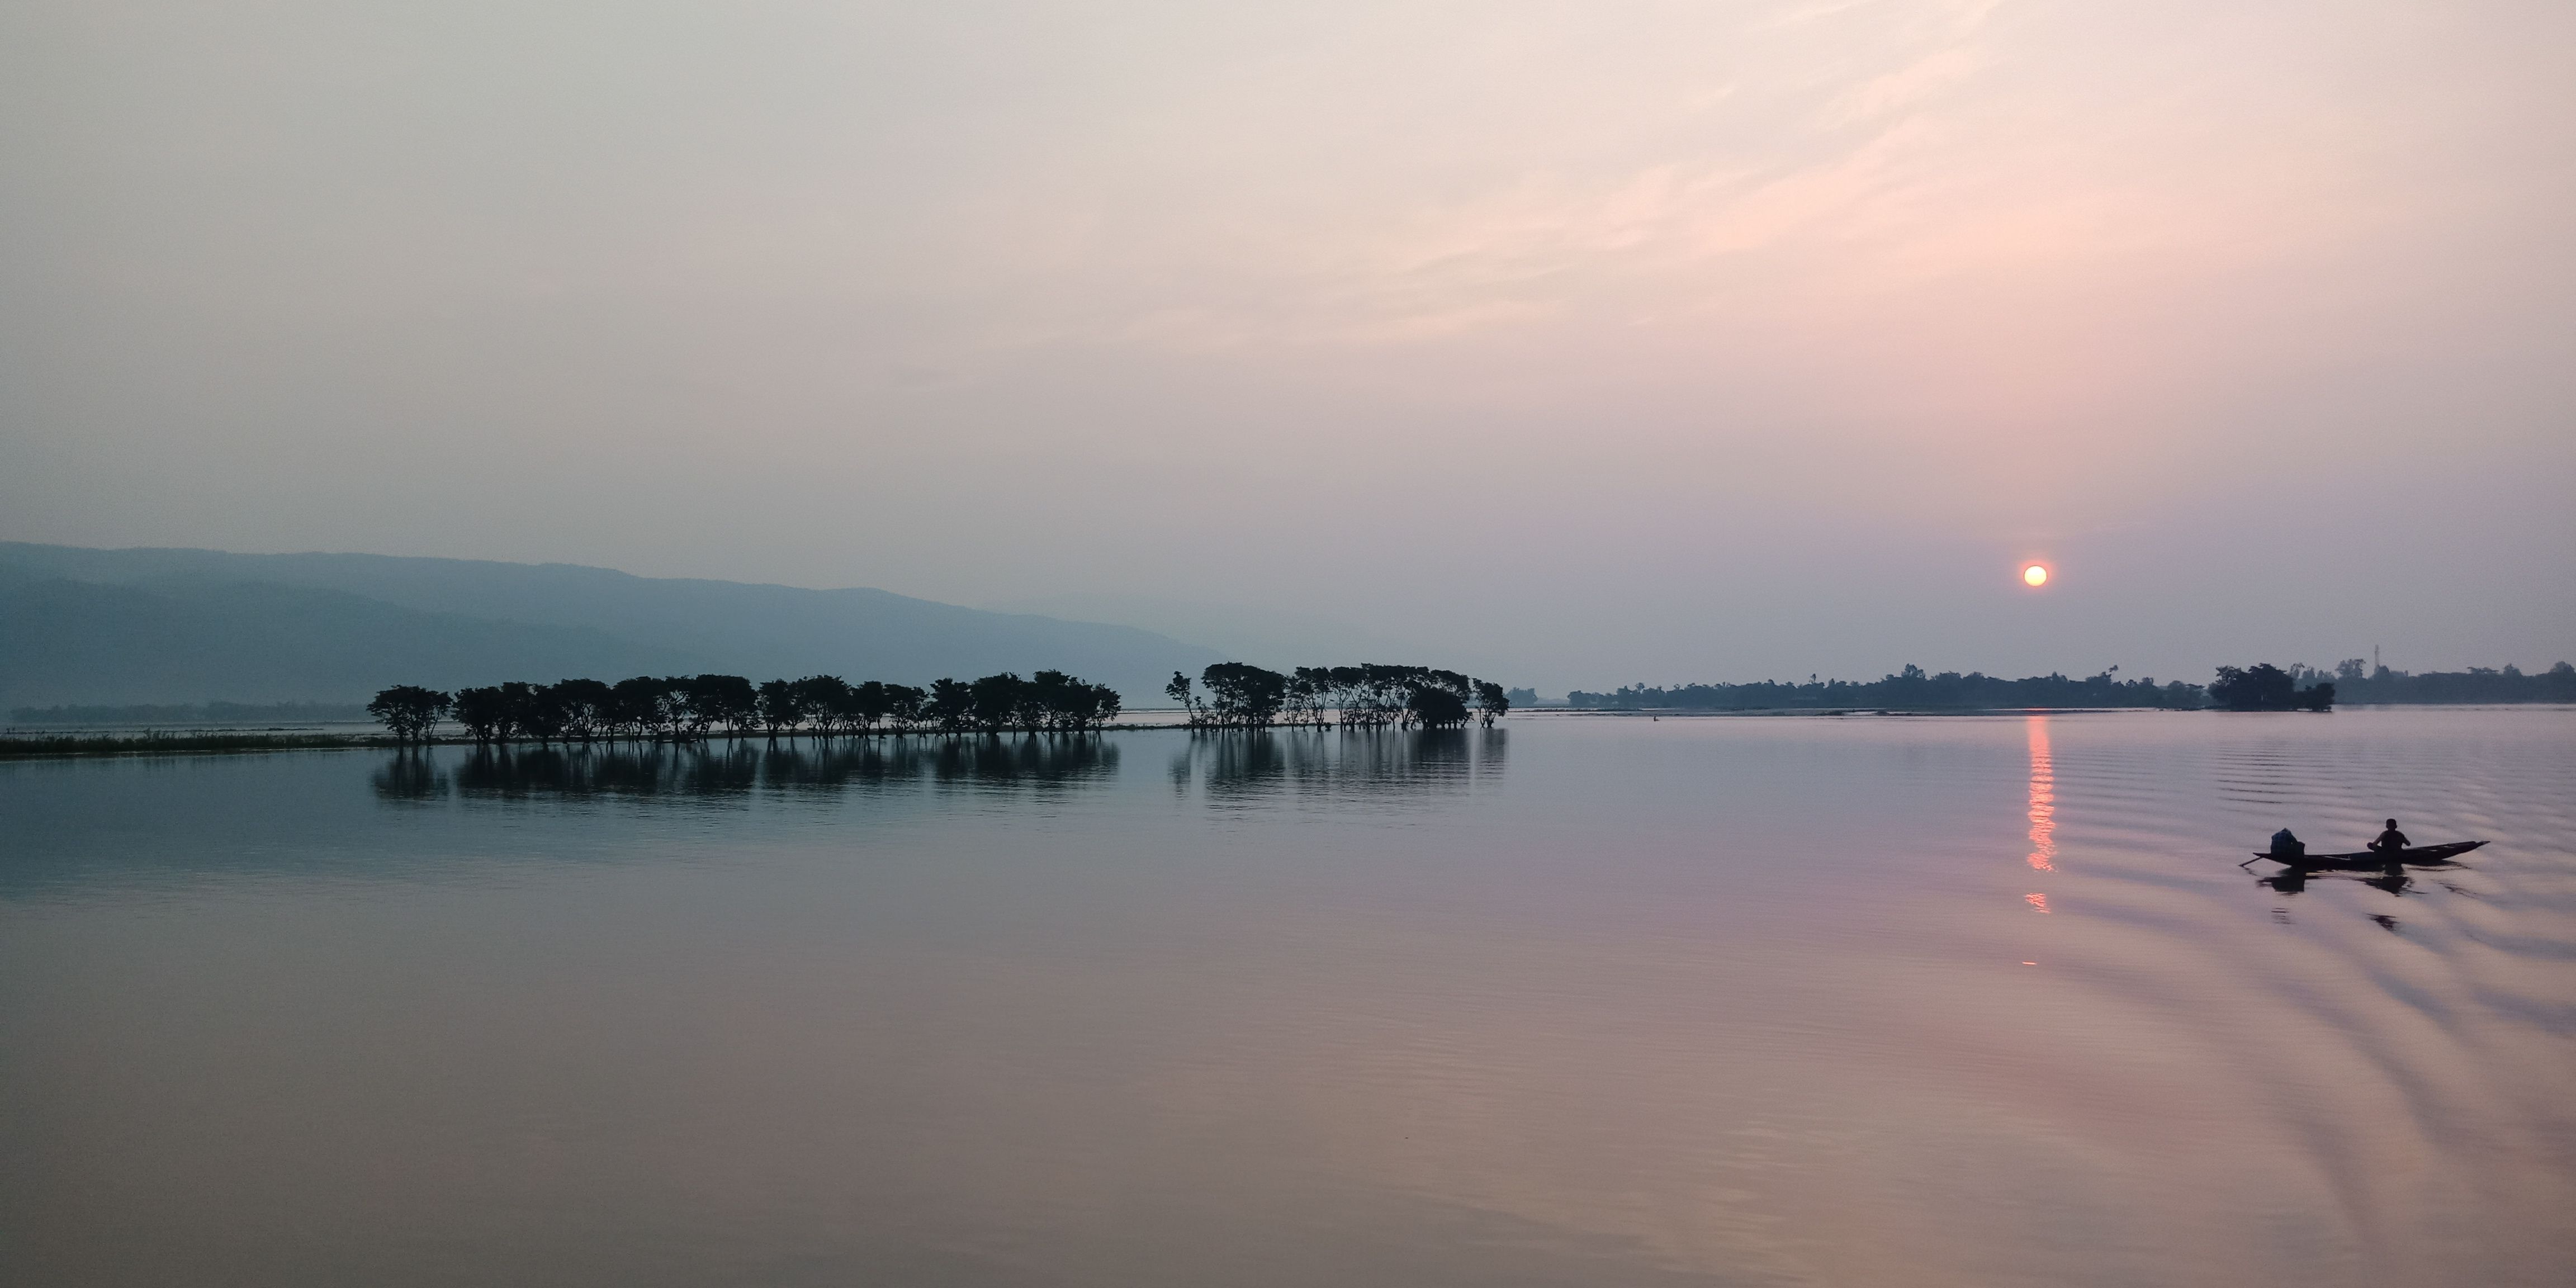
(1579, 1000)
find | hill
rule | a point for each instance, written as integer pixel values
(121, 626)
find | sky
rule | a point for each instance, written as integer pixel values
(1574, 344)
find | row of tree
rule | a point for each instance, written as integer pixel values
(696, 707)
(1911, 689)
(2357, 681)
(1371, 696)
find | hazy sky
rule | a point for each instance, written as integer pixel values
(1573, 343)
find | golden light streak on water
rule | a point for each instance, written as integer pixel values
(2043, 798)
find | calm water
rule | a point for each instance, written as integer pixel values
(1579, 1001)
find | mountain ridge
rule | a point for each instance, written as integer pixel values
(52, 642)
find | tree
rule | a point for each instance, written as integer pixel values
(1179, 691)
(1492, 703)
(712, 700)
(2265, 687)
(1105, 704)
(825, 700)
(906, 706)
(645, 706)
(484, 712)
(587, 707)
(1309, 688)
(1057, 701)
(777, 704)
(870, 703)
(999, 702)
(408, 711)
(530, 711)
(951, 705)
(1244, 695)
(1436, 706)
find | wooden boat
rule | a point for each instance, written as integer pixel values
(2418, 854)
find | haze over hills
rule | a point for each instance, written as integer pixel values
(82, 625)
(1275, 637)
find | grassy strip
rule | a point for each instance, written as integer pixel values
(163, 744)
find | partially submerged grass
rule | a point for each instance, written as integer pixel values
(157, 743)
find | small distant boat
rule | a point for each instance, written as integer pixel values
(2424, 854)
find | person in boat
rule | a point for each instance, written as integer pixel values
(2286, 846)
(2390, 842)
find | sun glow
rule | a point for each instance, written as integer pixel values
(2035, 575)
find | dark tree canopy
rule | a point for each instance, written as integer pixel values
(484, 712)
(409, 711)
(2265, 687)
(1369, 696)
(694, 707)
(1434, 707)
(1245, 695)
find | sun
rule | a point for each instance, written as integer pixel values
(2035, 575)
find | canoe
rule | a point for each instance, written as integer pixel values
(2375, 859)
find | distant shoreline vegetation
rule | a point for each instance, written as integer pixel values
(2262, 687)
(1912, 688)
(199, 713)
(2356, 682)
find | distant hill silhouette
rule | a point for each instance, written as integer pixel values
(126, 626)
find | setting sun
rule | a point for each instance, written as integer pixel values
(2035, 575)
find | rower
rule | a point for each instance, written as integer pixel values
(2391, 841)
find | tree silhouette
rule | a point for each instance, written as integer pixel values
(586, 707)
(998, 701)
(1239, 695)
(907, 706)
(824, 700)
(2265, 687)
(1435, 706)
(777, 705)
(1243, 695)
(408, 711)
(1179, 691)
(645, 707)
(951, 705)
(484, 711)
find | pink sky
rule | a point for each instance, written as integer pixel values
(1578, 343)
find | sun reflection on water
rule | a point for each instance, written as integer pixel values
(2043, 799)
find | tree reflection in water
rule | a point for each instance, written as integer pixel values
(1349, 766)
(1226, 767)
(411, 774)
(738, 768)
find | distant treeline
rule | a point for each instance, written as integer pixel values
(1909, 689)
(695, 707)
(2356, 682)
(1369, 696)
(2261, 687)
(205, 713)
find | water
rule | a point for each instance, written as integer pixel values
(1582, 1000)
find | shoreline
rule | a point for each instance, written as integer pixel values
(72, 744)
